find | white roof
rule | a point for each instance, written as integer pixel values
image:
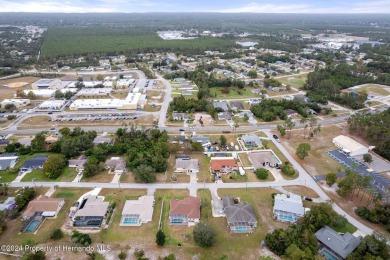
(16, 100)
(293, 204)
(348, 143)
(52, 104)
(41, 92)
(142, 207)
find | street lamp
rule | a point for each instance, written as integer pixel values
(33, 180)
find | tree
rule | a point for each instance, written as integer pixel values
(196, 146)
(57, 234)
(331, 178)
(10, 148)
(91, 168)
(171, 256)
(11, 117)
(281, 129)
(204, 235)
(262, 173)
(289, 124)
(58, 94)
(370, 248)
(38, 143)
(100, 77)
(54, 165)
(160, 238)
(31, 255)
(223, 140)
(367, 158)
(252, 74)
(10, 107)
(144, 173)
(81, 239)
(24, 196)
(303, 150)
(31, 95)
(122, 255)
(288, 169)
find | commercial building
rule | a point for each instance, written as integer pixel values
(18, 103)
(42, 93)
(45, 84)
(137, 212)
(349, 146)
(52, 105)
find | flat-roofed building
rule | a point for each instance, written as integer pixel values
(17, 102)
(350, 146)
(45, 84)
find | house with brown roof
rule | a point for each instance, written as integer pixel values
(184, 212)
(45, 206)
(223, 165)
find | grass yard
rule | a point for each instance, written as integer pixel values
(302, 190)
(238, 246)
(296, 81)
(318, 162)
(245, 160)
(376, 89)
(234, 92)
(151, 108)
(102, 176)
(67, 175)
(116, 233)
(155, 95)
(12, 235)
(7, 176)
(9, 92)
(36, 122)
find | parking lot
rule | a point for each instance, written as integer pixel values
(379, 182)
(116, 116)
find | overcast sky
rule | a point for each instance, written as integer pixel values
(226, 6)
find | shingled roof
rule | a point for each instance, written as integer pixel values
(190, 206)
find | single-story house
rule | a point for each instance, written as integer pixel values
(336, 245)
(251, 140)
(236, 105)
(102, 140)
(116, 165)
(288, 209)
(223, 165)
(241, 217)
(184, 212)
(186, 165)
(91, 212)
(350, 146)
(137, 212)
(224, 116)
(221, 105)
(180, 116)
(201, 139)
(34, 163)
(8, 161)
(8, 204)
(77, 163)
(262, 159)
(290, 112)
(46, 206)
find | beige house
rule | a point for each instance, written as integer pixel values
(48, 207)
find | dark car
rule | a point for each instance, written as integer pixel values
(50, 113)
(181, 130)
(308, 199)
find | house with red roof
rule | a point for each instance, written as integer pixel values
(184, 212)
(223, 165)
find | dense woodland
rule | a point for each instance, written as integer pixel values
(375, 128)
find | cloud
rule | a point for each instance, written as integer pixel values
(359, 7)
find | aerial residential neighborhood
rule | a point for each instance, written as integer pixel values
(221, 134)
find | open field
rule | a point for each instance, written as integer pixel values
(234, 92)
(302, 190)
(37, 175)
(296, 81)
(375, 89)
(318, 162)
(13, 83)
(82, 40)
(102, 176)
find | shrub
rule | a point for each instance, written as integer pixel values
(262, 173)
(288, 169)
(57, 234)
(204, 235)
(160, 238)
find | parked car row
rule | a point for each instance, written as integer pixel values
(92, 118)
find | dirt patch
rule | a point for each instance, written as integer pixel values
(18, 84)
(302, 190)
(206, 118)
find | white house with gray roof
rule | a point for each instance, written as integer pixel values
(137, 212)
(251, 140)
(187, 165)
(288, 209)
(336, 245)
(8, 161)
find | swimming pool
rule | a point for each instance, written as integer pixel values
(32, 226)
(286, 218)
(328, 255)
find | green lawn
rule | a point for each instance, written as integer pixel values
(233, 93)
(7, 176)
(347, 228)
(296, 81)
(67, 175)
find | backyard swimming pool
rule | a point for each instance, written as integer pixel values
(32, 226)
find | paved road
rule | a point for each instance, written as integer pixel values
(167, 100)
(309, 182)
